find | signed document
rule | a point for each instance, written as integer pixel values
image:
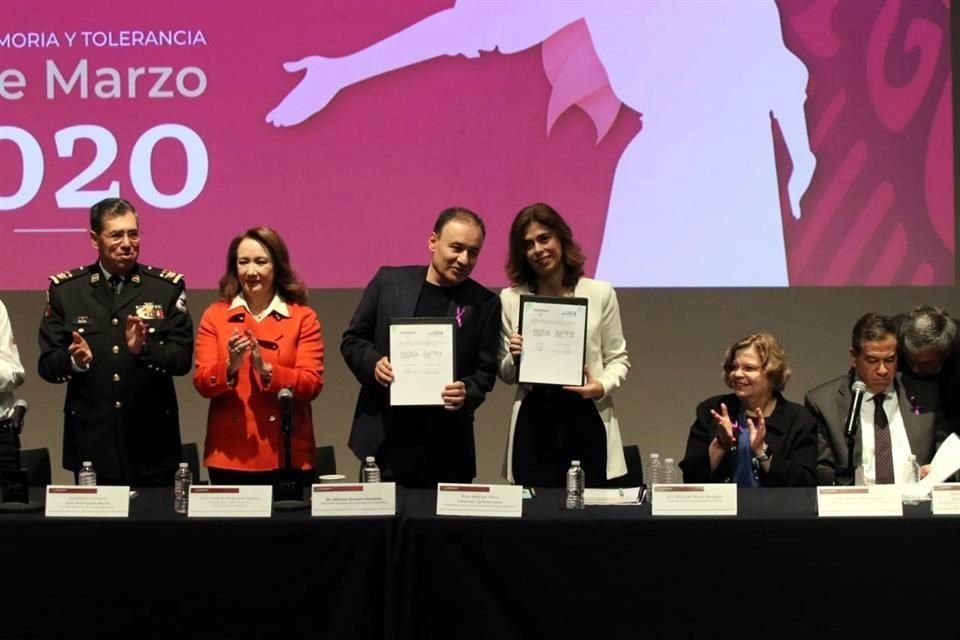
(423, 357)
(554, 334)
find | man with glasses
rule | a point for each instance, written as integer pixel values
(117, 332)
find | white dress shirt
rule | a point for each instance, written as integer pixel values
(900, 445)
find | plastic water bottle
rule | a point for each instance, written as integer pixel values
(911, 470)
(182, 480)
(668, 473)
(576, 481)
(87, 476)
(653, 470)
(911, 476)
(371, 472)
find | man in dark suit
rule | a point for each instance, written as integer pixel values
(420, 446)
(116, 332)
(928, 352)
(891, 428)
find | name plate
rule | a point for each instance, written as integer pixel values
(946, 499)
(694, 500)
(599, 497)
(69, 501)
(485, 500)
(852, 502)
(228, 501)
(370, 499)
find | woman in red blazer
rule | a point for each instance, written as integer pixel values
(258, 338)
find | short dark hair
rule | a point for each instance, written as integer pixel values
(109, 208)
(518, 268)
(285, 280)
(771, 354)
(871, 327)
(458, 213)
(928, 327)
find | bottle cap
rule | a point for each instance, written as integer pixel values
(87, 463)
(574, 463)
(668, 460)
(184, 465)
(371, 459)
(654, 456)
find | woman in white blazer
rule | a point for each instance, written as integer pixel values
(549, 425)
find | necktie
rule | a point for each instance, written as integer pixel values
(115, 282)
(883, 450)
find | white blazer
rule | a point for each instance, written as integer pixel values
(606, 357)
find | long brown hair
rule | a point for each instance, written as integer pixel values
(518, 267)
(285, 280)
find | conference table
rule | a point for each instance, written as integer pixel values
(157, 574)
(605, 572)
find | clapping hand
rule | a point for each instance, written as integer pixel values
(135, 333)
(758, 432)
(237, 345)
(725, 435)
(80, 351)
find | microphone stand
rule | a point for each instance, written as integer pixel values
(846, 476)
(288, 487)
(14, 483)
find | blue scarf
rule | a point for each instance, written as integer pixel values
(743, 469)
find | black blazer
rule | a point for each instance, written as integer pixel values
(940, 391)
(393, 293)
(791, 439)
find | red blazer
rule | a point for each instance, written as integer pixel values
(243, 424)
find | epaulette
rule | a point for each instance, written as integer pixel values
(63, 276)
(163, 274)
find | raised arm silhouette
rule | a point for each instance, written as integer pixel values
(696, 190)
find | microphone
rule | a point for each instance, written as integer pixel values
(19, 411)
(285, 396)
(853, 415)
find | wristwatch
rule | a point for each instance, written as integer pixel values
(764, 456)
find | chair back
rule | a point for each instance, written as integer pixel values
(634, 477)
(324, 461)
(190, 453)
(37, 464)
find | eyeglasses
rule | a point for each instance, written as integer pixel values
(117, 236)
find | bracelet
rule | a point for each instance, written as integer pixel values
(764, 455)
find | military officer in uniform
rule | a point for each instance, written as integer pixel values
(117, 332)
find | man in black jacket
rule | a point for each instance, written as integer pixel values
(927, 340)
(420, 446)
